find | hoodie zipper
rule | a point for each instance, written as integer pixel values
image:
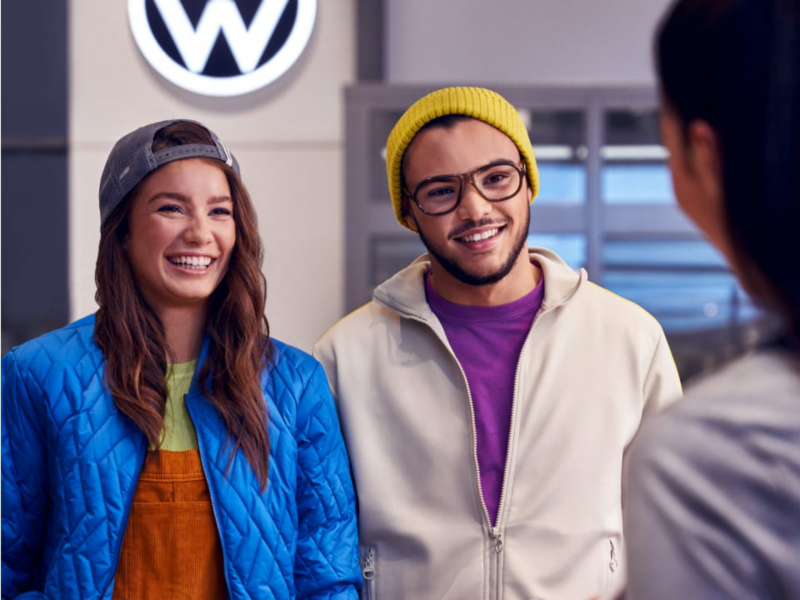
(495, 586)
(613, 563)
(369, 572)
(494, 563)
(495, 533)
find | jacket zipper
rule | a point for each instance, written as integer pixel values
(494, 565)
(495, 586)
(613, 564)
(127, 514)
(369, 572)
(494, 532)
(213, 502)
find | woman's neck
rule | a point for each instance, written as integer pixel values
(184, 329)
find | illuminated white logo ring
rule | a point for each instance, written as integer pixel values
(223, 86)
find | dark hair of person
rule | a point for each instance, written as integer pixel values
(736, 65)
(132, 337)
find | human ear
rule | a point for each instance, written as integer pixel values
(408, 217)
(707, 205)
(704, 158)
(411, 222)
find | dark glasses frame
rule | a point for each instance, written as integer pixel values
(468, 177)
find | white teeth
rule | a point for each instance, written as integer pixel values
(485, 235)
(191, 262)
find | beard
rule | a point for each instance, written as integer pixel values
(463, 274)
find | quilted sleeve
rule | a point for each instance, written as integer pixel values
(326, 563)
(24, 492)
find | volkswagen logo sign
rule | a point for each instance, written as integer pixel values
(222, 47)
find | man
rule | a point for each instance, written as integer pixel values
(488, 392)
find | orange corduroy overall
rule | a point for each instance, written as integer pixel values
(171, 547)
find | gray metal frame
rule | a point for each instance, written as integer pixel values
(597, 220)
(34, 171)
(369, 42)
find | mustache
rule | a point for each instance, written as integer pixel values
(461, 230)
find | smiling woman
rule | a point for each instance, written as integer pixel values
(155, 449)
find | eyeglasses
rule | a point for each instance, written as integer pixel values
(442, 194)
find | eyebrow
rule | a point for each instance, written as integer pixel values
(182, 198)
(491, 162)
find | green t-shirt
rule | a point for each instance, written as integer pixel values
(179, 433)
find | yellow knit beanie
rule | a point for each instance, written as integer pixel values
(479, 103)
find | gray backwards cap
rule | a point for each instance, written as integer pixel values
(132, 159)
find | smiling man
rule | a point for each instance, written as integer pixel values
(488, 393)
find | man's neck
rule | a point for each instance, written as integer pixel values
(520, 281)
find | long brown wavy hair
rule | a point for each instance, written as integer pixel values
(132, 338)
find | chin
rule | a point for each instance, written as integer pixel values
(192, 299)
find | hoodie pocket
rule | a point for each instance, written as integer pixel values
(369, 570)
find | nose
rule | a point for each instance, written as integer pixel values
(198, 231)
(473, 206)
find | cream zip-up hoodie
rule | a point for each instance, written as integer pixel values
(591, 369)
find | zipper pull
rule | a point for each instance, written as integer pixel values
(613, 564)
(369, 565)
(498, 540)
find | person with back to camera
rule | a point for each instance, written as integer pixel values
(166, 447)
(488, 392)
(712, 502)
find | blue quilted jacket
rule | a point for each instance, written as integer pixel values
(71, 462)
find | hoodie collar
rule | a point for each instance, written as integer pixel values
(404, 292)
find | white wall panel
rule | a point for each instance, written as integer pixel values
(300, 220)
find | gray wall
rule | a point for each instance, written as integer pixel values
(34, 168)
(505, 42)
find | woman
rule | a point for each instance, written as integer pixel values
(712, 490)
(166, 447)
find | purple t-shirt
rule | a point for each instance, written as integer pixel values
(487, 341)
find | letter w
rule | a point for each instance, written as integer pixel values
(247, 45)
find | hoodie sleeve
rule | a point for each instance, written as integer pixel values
(24, 492)
(662, 384)
(326, 563)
